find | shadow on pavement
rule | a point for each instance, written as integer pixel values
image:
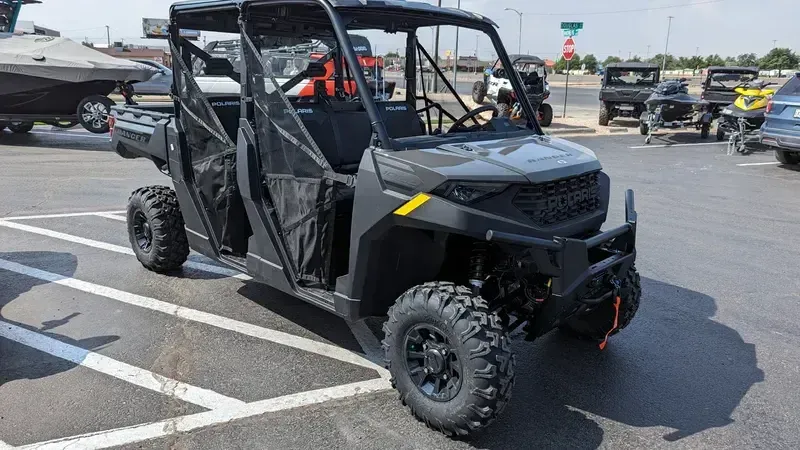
(673, 367)
(66, 140)
(18, 361)
(320, 322)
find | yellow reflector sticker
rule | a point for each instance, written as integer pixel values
(412, 204)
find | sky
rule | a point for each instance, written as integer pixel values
(725, 27)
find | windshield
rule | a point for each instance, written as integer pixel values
(728, 81)
(630, 77)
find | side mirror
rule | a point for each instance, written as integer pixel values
(315, 70)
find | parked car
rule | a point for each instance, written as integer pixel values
(159, 84)
(781, 130)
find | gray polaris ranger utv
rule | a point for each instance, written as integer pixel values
(626, 86)
(459, 235)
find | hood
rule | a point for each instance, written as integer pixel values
(534, 159)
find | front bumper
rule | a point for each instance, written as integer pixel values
(584, 272)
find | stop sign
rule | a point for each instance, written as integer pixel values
(568, 51)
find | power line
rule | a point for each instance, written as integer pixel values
(599, 13)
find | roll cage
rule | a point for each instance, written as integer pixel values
(333, 18)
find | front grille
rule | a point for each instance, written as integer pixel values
(559, 201)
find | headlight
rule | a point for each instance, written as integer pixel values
(467, 193)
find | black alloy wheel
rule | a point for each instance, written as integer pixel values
(432, 363)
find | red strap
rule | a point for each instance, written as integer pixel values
(616, 322)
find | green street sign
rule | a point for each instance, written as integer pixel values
(571, 25)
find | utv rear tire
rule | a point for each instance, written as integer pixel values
(479, 92)
(478, 344)
(547, 115)
(605, 115)
(785, 157)
(20, 127)
(503, 110)
(156, 229)
(595, 324)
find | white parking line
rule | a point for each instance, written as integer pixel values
(140, 377)
(678, 145)
(4, 446)
(772, 163)
(117, 248)
(112, 217)
(184, 424)
(278, 337)
(58, 216)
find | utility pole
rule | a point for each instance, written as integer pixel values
(774, 43)
(519, 45)
(455, 56)
(648, 52)
(108, 35)
(629, 56)
(666, 46)
(436, 56)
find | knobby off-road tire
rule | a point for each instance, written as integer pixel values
(785, 157)
(547, 115)
(156, 229)
(479, 344)
(478, 92)
(594, 325)
(605, 115)
(503, 110)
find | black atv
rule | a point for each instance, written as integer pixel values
(372, 208)
(626, 86)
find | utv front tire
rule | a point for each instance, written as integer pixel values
(478, 92)
(595, 324)
(156, 229)
(605, 115)
(439, 331)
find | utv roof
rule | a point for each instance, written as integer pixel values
(732, 69)
(526, 59)
(365, 5)
(633, 65)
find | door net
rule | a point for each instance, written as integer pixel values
(301, 184)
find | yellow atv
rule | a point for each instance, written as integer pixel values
(743, 118)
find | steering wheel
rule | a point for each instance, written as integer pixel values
(472, 114)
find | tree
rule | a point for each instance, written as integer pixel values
(611, 60)
(574, 63)
(730, 61)
(392, 55)
(780, 59)
(635, 58)
(714, 60)
(591, 63)
(672, 63)
(747, 59)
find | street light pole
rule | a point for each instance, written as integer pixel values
(666, 46)
(455, 56)
(519, 45)
(436, 56)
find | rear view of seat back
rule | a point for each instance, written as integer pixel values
(401, 119)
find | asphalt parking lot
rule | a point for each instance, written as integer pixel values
(97, 352)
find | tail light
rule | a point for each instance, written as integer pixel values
(513, 96)
(769, 107)
(111, 122)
